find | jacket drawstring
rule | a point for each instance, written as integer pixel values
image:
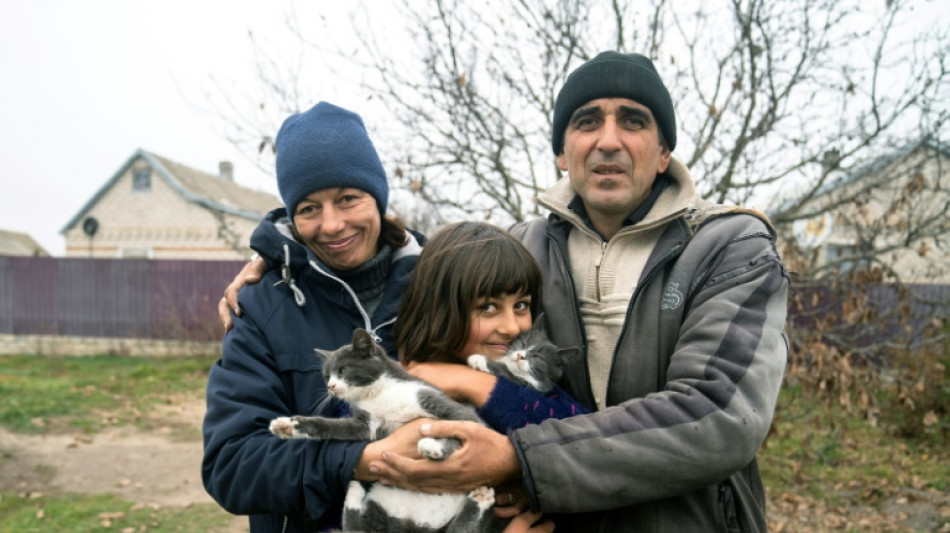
(285, 278)
(368, 324)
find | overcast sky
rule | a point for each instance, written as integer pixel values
(84, 83)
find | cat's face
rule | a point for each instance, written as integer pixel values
(532, 350)
(533, 354)
(352, 367)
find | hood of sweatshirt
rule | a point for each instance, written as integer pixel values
(274, 241)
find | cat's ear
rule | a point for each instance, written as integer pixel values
(362, 341)
(567, 354)
(323, 354)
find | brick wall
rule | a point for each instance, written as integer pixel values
(72, 345)
(159, 220)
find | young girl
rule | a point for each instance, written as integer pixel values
(474, 289)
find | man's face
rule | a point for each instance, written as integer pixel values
(612, 154)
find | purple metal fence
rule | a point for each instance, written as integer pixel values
(138, 298)
(177, 300)
(890, 317)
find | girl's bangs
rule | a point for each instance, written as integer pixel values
(505, 271)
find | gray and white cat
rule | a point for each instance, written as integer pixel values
(383, 397)
(532, 360)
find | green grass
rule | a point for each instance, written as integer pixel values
(40, 394)
(817, 458)
(827, 459)
(86, 394)
(78, 513)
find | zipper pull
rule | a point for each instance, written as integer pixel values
(603, 251)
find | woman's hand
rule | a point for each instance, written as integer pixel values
(456, 380)
(251, 273)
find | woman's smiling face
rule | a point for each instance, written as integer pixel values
(341, 226)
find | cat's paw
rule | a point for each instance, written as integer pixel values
(483, 496)
(354, 496)
(478, 362)
(432, 448)
(284, 427)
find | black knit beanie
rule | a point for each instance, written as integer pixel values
(614, 75)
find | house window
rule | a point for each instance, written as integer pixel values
(142, 179)
(846, 258)
(136, 253)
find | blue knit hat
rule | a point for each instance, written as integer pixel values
(327, 147)
(614, 75)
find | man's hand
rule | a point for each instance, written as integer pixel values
(485, 458)
(251, 273)
(404, 441)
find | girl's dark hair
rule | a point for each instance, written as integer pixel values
(461, 264)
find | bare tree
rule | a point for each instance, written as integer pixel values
(798, 107)
(764, 91)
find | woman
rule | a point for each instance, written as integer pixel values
(338, 264)
(341, 264)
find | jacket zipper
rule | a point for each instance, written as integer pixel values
(561, 255)
(603, 251)
(673, 253)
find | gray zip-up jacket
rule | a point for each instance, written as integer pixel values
(684, 377)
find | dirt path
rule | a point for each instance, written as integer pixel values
(155, 468)
(137, 467)
(141, 467)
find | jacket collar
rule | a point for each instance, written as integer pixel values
(675, 200)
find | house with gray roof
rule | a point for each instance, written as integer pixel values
(14, 243)
(156, 208)
(895, 208)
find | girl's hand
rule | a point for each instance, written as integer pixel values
(525, 523)
(456, 380)
(510, 500)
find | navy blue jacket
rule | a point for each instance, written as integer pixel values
(268, 369)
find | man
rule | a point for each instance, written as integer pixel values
(680, 307)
